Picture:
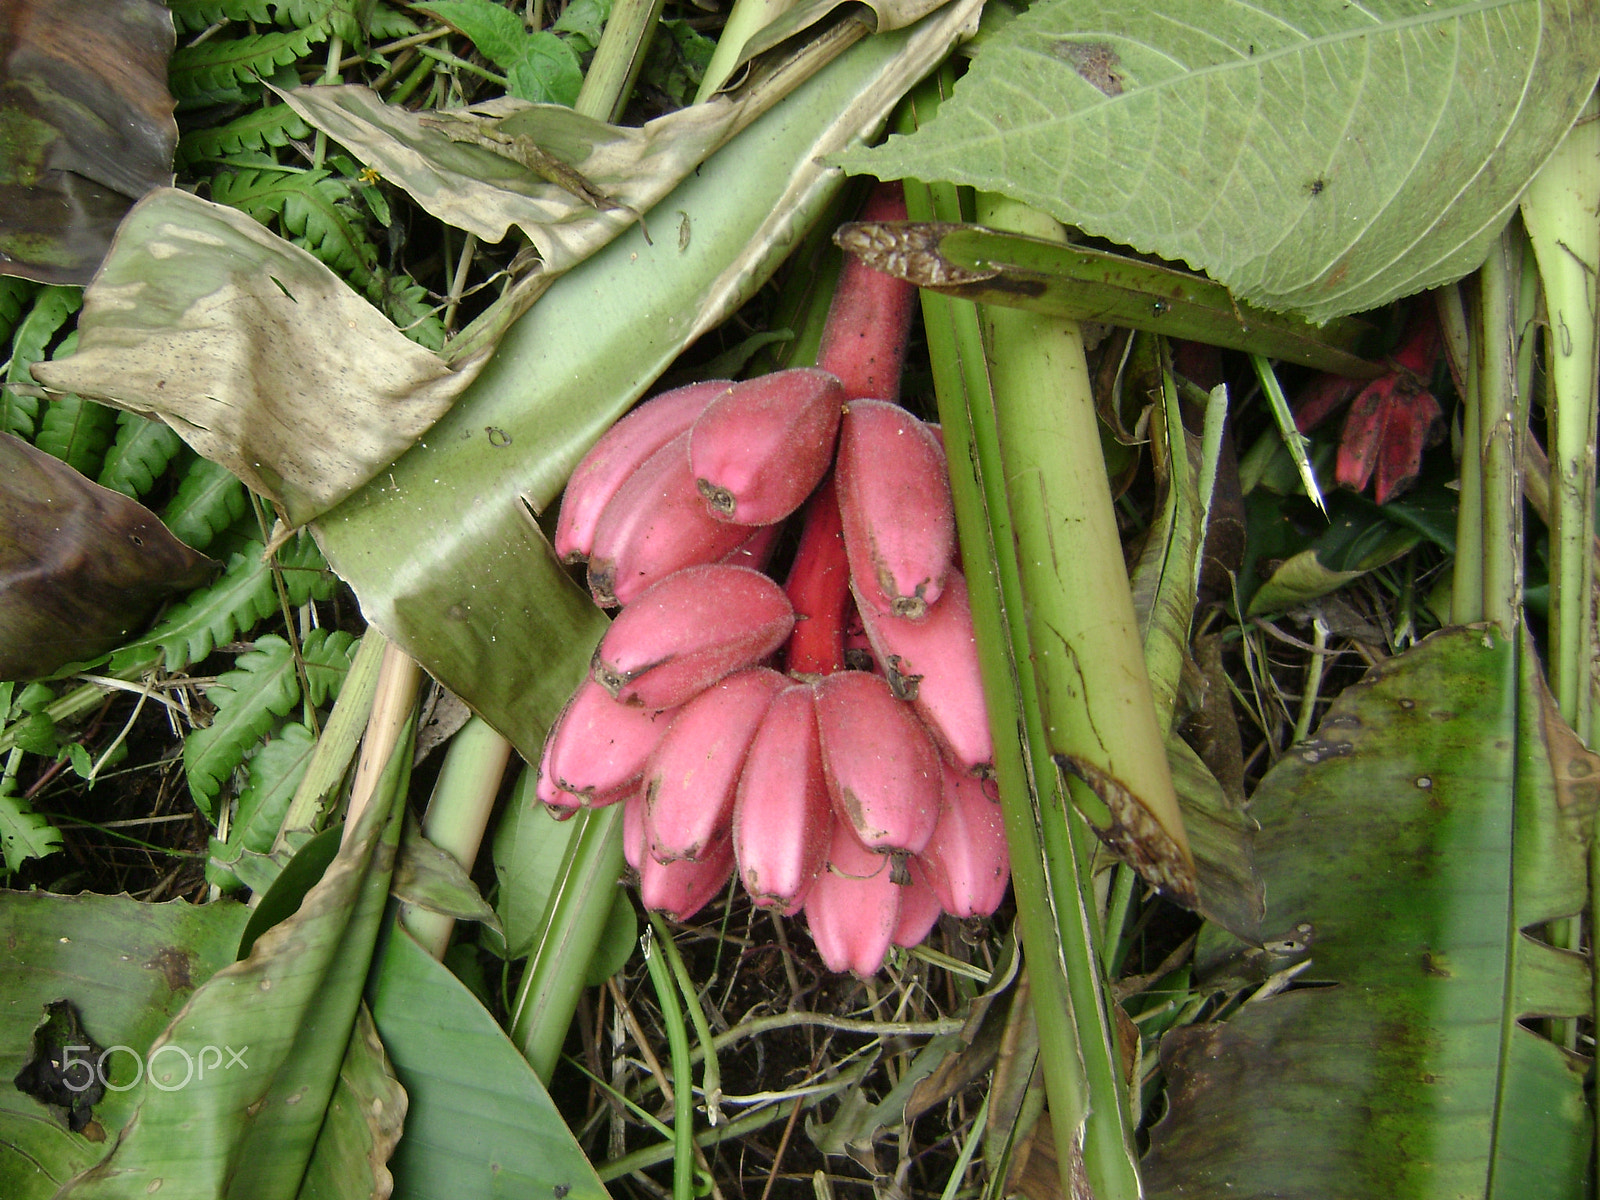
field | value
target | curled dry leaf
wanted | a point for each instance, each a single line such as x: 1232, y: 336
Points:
x: 259, y: 356
x: 86, y: 128
x: 81, y: 566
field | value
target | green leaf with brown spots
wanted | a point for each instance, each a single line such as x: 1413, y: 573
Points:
x: 1412, y: 852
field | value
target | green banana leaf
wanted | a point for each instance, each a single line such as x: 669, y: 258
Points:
x: 1447, y: 810
x: 127, y: 968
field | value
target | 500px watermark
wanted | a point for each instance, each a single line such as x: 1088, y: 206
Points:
x: 81, y: 1069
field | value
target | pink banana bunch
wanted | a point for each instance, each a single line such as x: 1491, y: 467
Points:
x: 825, y: 741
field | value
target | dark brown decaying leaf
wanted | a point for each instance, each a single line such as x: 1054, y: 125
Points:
x: 86, y: 128
x: 81, y: 566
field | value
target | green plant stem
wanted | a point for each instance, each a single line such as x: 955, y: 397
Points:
x: 746, y: 18
x: 1293, y: 440
x: 1500, y: 432
x: 678, y: 1044
x: 579, y: 904
x: 1074, y: 1036
x: 712, y: 1071
x: 458, y: 813
x: 618, y: 58
x: 1466, y: 591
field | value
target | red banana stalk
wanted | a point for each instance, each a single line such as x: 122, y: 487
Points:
x: 781, y: 814
x: 620, y: 450
x: 934, y: 664
x: 965, y: 861
x: 819, y: 588
x: 693, y: 773
x: 760, y: 448
x: 868, y: 324
x: 894, y: 502
x: 597, y: 749
x: 680, y: 889
x: 883, y: 771
x: 853, y: 908
x: 655, y: 524
x: 688, y: 631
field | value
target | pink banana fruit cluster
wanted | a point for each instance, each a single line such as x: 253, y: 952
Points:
x: 825, y: 740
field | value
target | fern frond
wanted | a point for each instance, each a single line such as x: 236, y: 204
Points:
x: 250, y: 699
x: 306, y: 574
x: 312, y: 218
x: 386, y: 24
x: 78, y: 432
x: 19, y: 410
x: 407, y: 303
x: 273, y: 774
x: 16, y: 297
x: 327, y: 657
x: 142, y: 451
x: 194, y: 15
x: 271, y: 125
x: 222, y: 66
x: 24, y: 834
x: 210, y: 499
x: 194, y: 627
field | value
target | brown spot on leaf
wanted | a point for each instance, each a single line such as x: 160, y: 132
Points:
x: 1135, y: 835
x: 1096, y: 62
x: 173, y: 963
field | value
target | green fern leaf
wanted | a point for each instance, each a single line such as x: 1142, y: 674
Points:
x: 16, y: 297
x: 222, y: 66
x: 19, y: 409
x: 78, y: 432
x: 142, y: 451
x: 272, y: 125
x: 312, y: 218
x: 75, y: 430
x: 24, y: 834
x: 273, y: 774
x: 250, y: 699
x: 407, y: 303
x: 327, y: 657
x: 387, y: 24
x: 210, y: 499
x: 306, y: 575
x: 194, y: 15
x: 210, y: 616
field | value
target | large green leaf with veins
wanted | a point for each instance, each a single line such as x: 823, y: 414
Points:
x: 1412, y: 852
x: 1312, y: 156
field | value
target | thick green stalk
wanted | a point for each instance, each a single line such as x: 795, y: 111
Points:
x: 1075, y: 1035
x: 458, y: 813
x: 1499, y: 432
x: 1466, y: 590
x: 746, y: 18
x: 548, y: 994
x: 1559, y: 210
x: 617, y: 58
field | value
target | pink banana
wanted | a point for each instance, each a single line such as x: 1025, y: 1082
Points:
x: 633, y: 836
x: 883, y: 771
x: 688, y: 631
x: 756, y: 550
x: 597, y: 748
x: 680, y: 889
x: 894, y: 502
x: 934, y: 664
x: 965, y: 861
x: 781, y: 815
x: 819, y: 588
x: 655, y: 524
x: 919, y: 908
x: 761, y: 447
x: 614, y: 457
x: 854, y: 906
x: 693, y: 773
